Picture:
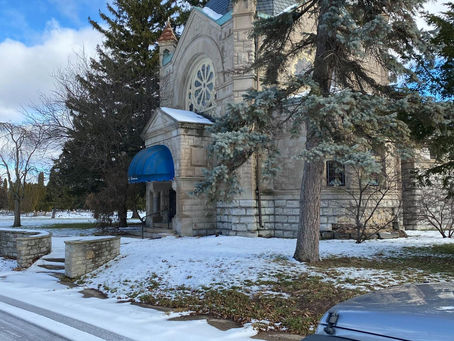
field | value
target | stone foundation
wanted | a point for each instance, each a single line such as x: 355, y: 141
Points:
x: 24, y: 245
x: 83, y: 256
x: 280, y: 215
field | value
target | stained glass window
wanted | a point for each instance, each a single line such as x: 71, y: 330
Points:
x: 201, y: 93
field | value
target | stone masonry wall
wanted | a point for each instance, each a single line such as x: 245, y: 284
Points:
x: 83, y: 256
x: 25, y: 246
x: 280, y: 214
x: 30, y: 248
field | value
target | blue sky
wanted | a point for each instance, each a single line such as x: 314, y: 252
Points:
x: 26, y: 20
x: 37, y: 39
x: 40, y: 37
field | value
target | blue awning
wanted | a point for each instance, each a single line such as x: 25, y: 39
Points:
x: 151, y: 164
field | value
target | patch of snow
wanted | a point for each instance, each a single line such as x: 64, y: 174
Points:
x: 7, y: 264
x: 288, y: 9
x: 30, y: 222
x: 44, y: 291
x: 222, y: 262
x: 371, y: 248
x: 186, y: 116
x: 48, y: 324
x: 35, y: 232
x: 212, y: 14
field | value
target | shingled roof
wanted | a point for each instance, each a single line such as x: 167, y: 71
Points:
x: 167, y: 34
x: 269, y: 7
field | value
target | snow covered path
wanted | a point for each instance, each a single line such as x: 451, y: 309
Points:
x: 42, y: 291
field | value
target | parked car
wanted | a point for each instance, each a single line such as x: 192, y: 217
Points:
x: 416, y: 312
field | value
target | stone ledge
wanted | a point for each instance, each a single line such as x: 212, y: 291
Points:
x: 92, y: 240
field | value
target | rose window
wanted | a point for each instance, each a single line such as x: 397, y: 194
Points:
x: 201, y: 92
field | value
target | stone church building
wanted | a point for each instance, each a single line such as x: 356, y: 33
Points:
x: 198, y: 74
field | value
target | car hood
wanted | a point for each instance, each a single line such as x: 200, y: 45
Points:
x: 411, y: 312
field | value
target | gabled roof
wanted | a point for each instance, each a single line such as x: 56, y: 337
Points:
x: 268, y: 7
x: 186, y: 116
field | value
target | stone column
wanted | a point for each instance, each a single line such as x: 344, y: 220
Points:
x: 245, y: 206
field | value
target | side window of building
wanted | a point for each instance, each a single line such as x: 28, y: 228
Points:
x: 335, y: 174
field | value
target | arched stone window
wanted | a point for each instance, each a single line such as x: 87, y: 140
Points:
x: 200, y: 91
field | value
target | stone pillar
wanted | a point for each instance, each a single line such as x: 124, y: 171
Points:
x: 243, y: 47
x: 246, y: 222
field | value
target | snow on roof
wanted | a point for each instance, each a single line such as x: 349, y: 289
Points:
x: 186, y: 116
x: 212, y: 14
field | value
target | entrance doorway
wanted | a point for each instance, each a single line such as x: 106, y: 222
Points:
x: 162, y: 201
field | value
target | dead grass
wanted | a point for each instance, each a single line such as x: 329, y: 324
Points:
x: 292, y: 302
x: 304, y: 300
x: 438, y: 259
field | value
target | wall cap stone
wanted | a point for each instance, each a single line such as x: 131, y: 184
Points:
x: 91, y: 240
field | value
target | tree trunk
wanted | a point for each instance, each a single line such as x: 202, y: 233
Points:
x: 135, y: 214
x: 307, y: 244
x: 122, y: 217
x: 17, y: 222
x: 54, y: 211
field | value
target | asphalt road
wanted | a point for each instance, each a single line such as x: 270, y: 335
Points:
x: 13, y: 328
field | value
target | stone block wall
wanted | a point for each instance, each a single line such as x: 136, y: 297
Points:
x: 30, y: 248
x: 83, y: 256
x: 24, y: 245
x: 238, y: 218
x: 280, y: 214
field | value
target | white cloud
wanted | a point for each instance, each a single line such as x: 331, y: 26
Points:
x: 26, y: 71
x: 433, y: 7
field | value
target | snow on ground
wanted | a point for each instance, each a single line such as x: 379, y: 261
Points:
x: 7, y: 264
x: 44, y: 291
x: 371, y: 248
x: 191, y: 262
x: 43, y: 221
x: 217, y: 262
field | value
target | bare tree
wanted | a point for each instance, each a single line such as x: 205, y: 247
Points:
x: 51, y: 110
x: 437, y: 207
x: 21, y: 147
x: 374, y: 202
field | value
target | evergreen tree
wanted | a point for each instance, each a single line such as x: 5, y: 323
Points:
x: 441, y: 75
x: 432, y: 126
x: 3, y: 194
x: 346, y: 111
x: 121, y: 89
x: 59, y: 196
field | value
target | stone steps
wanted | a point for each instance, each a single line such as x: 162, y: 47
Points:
x: 156, y: 233
x: 54, y: 260
x: 52, y: 266
x: 55, y: 265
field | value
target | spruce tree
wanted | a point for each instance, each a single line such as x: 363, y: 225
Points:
x: 121, y: 89
x: 432, y: 126
x: 346, y: 111
x: 3, y: 194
